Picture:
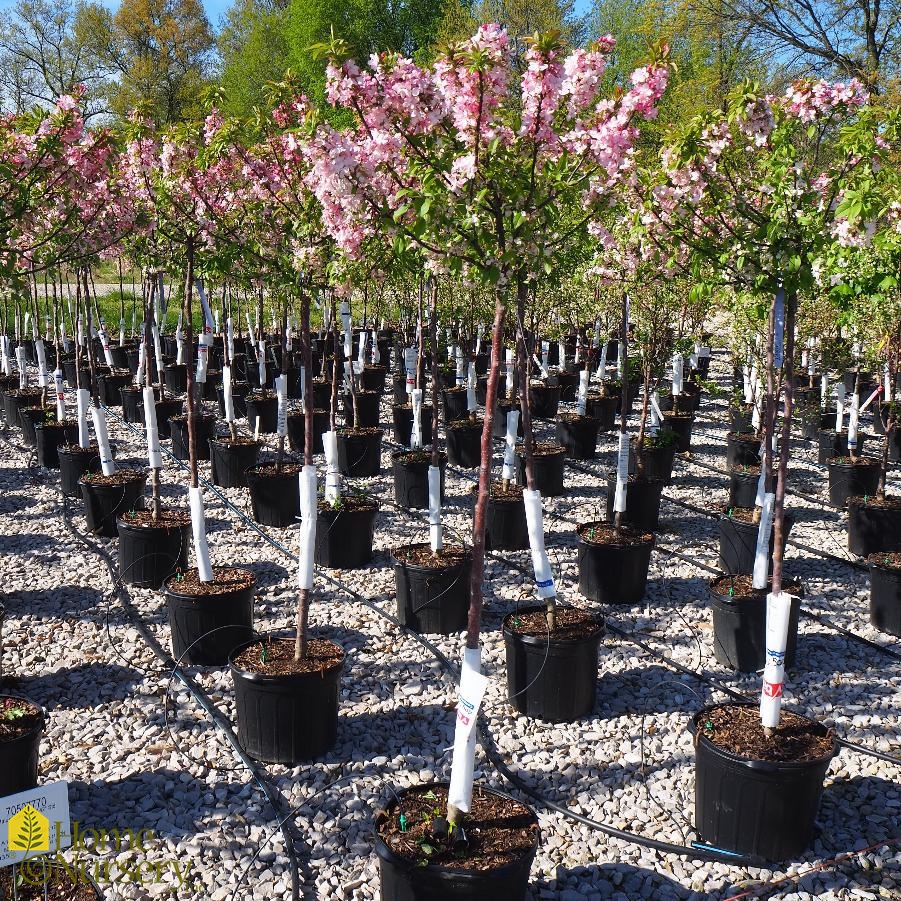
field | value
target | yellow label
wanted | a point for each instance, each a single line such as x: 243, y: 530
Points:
x: 28, y: 831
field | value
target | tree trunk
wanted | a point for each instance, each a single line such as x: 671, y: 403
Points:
x: 189, y: 343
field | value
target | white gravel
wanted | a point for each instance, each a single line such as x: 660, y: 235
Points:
x: 139, y: 752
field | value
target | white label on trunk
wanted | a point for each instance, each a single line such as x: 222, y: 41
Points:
x: 544, y: 577
x: 655, y: 406
x: 761, y: 555
x: 43, y: 379
x: 778, y: 613
x: 746, y: 377
x: 824, y: 388
x: 622, y: 473
x: 839, y: 406
x: 620, y: 358
x: 203, y: 351
x: 198, y: 526
x: 4, y: 354
x: 870, y: 399
x: 887, y: 380
x: 261, y: 363
x: 23, y: 370
x: 761, y: 484
x: 227, y: 397
x: 479, y: 334
x: 584, y: 375
x: 469, y: 698
x: 509, y: 366
x: 139, y: 374
x: 471, y: 388
x: 348, y: 329
x: 308, y: 513
x: 545, y: 351
x: 461, y: 368
x: 180, y: 345
x: 509, y: 470
x: 83, y: 399
x: 416, y: 432
x: 853, y: 421
x: 106, y: 456
x: 410, y: 368
x: 230, y: 337
x: 153, y: 436
x: 281, y: 390
x: 60, y: 396
x: 121, y: 331
x: 332, y: 472
x: 811, y: 358
x: 435, y: 536
x: 771, y: 695
x: 157, y: 350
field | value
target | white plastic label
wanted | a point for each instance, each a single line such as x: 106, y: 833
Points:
x: 509, y: 366
x: 410, y: 368
x: 544, y: 577
x: 471, y: 388
x: 584, y: 375
x: 23, y: 369
x: 622, y: 473
x: 509, y: 470
x: 839, y: 406
x: 261, y: 363
x: 620, y: 358
x: 83, y: 399
x: 480, y: 333
x: 4, y: 354
x: 227, y: 397
x: 469, y: 698
x: 308, y: 514
x: 853, y: 420
x: 762, y: 553
x: 43, y: 379
x: 435, y: 536
x: 677, y: 374
x: 281, y: 390
x: 198, y: 527
x: 416, y: 432
x: 121, y: 331
x: 870, y: 399
x: 106, y: 456
x: 778, y: 613
x: 157, y: 350
x: 60, y: 396
x: 51, y: 802
x: 154, y: 456
x: 332, y: 472
x: 203, y: 351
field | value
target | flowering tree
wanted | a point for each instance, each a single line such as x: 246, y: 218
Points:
x: 484, y: 174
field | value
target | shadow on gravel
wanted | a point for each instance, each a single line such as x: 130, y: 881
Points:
x: 63, y: 600
x: 81, y: 687
x: 616, y: 881
x: 644, y: 689
x: 854, y: 813
x: 24, y: 544
x: 392, y: 733
x: 13, y: 503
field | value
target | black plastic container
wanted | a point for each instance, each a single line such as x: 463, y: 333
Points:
x: 74, y: 462
x: 29, y: 418
x: 344, y: 537
x: 739, y: 630
x: 873, y: 528
x: 286, y: 718
x: 464, y: 443
x: 405, y: 880
x: 579, y: 435
x: 544, y: 400
x: 133, y: 403
x: 550, y: 678
x: 296, y: 430
x: 411, y: 478
x: 742, y: 449
x: 374, y: 377
x: 680, y: 425
x: 653, y: 461
x: 165, y: 410
x: 455, y: 403
x: 402, y: 418
x: 274, y: 495
x: 206, y: 628
x: 176, y: 378
x: 848, y: 479
x: 433, y: 599
x: 506, y: 528
x: 753, y: 806
x: 743, y: 487
x: 360, y: 453
x: 499, y: 421
x: 230, y: 462
x: 738, y: 544
x: 613, y: 573
x: 50, y: 436
x: 110, y: 385
x: 239, y: 399
x: 19, y: 758
x: 569, y: 383
x: 549, y: 471
x: 885, y: 596
x: 835, y: 444
x: 367, y: 408
x: 148, y: 555
x: 204, y: 430
x: 104, y: 504
x: 603, y: 409
x: 262, y: 408
x: 642, y: 501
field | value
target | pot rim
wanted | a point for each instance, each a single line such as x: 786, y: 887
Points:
x: 278, y: 678
x: 549, y: 640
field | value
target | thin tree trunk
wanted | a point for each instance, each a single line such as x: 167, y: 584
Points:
x: 434, y: 341
x: 189, y: 343
x: 523, y: 372
x: 624, y: 389
x: 303, y: 598
x: 769, y: 405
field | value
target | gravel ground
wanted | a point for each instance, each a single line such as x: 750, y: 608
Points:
x: 139, y: 751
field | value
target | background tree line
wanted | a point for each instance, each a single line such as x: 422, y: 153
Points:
x: 162, y: 56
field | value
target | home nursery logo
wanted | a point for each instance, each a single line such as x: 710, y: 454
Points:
x: 28, y: 830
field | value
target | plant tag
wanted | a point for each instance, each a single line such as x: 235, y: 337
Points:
x: 853, y: 421
x: 106, y: 456
x: 779, y: 326
x: 761, y: 554
x: 154, y: 456
x: 23, y: 367
x: 839, y: 406
x: 871, y: 398
x: 545, y: 353
x: 622, y: 473
x: 261, y: 363
x: 228, y: 399
x: 308, y: 514
x: 435, y: 509
x: 471, y: 388
x: 332, y: 472
x: 83, y: 399
x: 469, y: 698
x: 509, y: 366
x: 509, y: 471
x: 416, y: 432
x: 584, y: 375
x: 544, y: 577
x: 479, y: 334
x: 157, y: 350
x: 281, y: 390
x: 198, y: 527
x: 60, y: 396
x: 410, y: 368
x: 34, y: 822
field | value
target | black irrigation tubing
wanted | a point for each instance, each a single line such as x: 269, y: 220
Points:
x: 695, y: 853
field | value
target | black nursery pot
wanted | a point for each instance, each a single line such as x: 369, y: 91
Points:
x: 30, y: 418
x: 742, y: 449
x: 847, y: 479
x: 374, y: 377
x: 642, y: 501
x: 230, y: 462
x: 297, y: 430
x: 19, y: 759
x: 455, y: 403
x: 344, y: 536
x: 104, y: 504
x: 149, y: 554
x: 176, y: 376
x: 835, y: 444
x: 204, y: 430
x: 206, y: 628
x: 286, y: 718
x: 506, y: 528
x: 743, y: 487
x: 548, y: 468
x: 405, y: 880
x: 544, y: 400
x: 133, y: 403
x: 402, y: 419
x: 411, y: 478
x: 360, y: 453
x: 569, y: 383
x: 579, y: 435
x: 262, y: 408
x: 367, y: 408
x: 613, y: 573
x: 239, y: 399
x: 653, y: 462
x: 755, y: 807
x: 739, y: 630
x: 74, y: 462
x: 874, y: 528
x: 110, y: 385
x: 885, y: 596
x: 274, y: 494
x: 464, y: 443
x: 603, y: 408
x: 50, y: 436
x: 165, y: 410
x: 680, y: 425
x: 499, y: 421
x: 553, y: 679
x: 433, y: 599
x: 738, y: 544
